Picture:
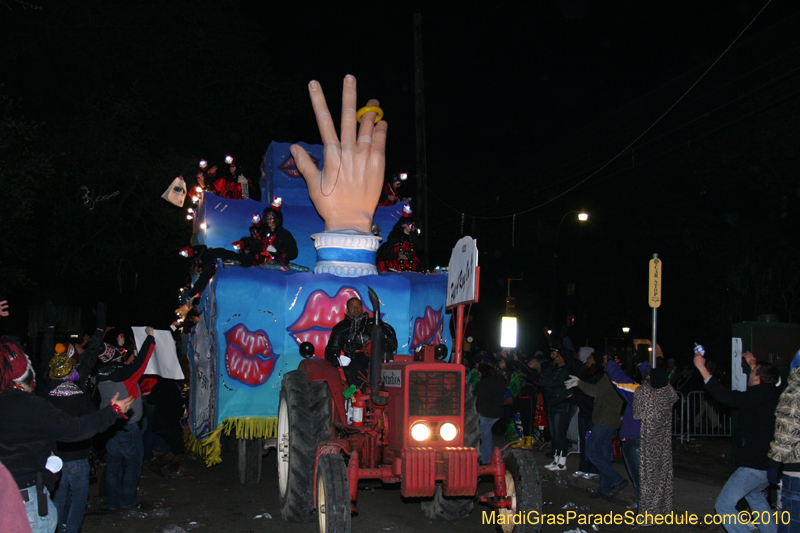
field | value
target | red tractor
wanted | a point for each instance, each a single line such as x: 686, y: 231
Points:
x: 419, y: 429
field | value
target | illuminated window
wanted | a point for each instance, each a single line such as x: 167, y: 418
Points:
x: 570, y: 289
x: 570, y: 318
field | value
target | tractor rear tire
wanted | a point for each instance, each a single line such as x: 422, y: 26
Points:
x: 304, y: 420
x: 457, y: 508
x: 250, y: 453
x: 333, y: 495
x: 524, y: 486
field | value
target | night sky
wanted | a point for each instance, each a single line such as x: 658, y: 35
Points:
x: 533, y: 110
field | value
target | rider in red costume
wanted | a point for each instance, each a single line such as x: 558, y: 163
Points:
x: 403, y: 248
x: 390, y: 194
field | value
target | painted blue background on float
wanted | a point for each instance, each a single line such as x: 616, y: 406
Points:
x: 274, y: 301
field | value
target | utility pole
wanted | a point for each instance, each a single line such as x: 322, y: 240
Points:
x: 422, y: 163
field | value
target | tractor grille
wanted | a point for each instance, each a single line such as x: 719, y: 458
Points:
x: 434, y: 394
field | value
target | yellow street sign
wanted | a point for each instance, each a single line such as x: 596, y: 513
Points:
x: 654, y: 290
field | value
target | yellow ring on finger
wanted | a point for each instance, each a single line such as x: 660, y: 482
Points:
x: 370, y: 109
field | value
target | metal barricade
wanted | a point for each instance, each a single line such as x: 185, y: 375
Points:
x: 677, y: 417
x: 696, y: 414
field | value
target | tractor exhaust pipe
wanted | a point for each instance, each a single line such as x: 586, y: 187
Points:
x: 376, y: 353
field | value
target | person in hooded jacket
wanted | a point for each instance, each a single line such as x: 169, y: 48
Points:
x: 278, y: 243
x: 402, y: 251
x: 559, y: 407
x: 118, y: 374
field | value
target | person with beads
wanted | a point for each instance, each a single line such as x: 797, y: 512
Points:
x: 64, y: 380
x: 30, y: 426
x: 403, y: 248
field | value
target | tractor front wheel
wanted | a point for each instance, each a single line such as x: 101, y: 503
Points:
x: 457, y: 508
x: 304, y: 420
x: 333, y: 495
x: 524, y: 488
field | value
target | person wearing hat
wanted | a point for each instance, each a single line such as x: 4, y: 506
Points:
x: 756, y: 407
x: 559, y: 406
x: 278, y: 243
x: 30, y: 426
x: 65, y: 380
x: 118, y: 375
x: 652, y: 404
x: 230, y: 185
x: 402, y: 250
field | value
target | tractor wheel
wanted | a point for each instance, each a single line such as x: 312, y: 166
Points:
x: 304, y: 420
x: 333, y: 495
x: 456, y: 508
x: 525, y: 489
x: 250, y: 453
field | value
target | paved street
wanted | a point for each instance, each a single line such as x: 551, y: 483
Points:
x: 211, y: 500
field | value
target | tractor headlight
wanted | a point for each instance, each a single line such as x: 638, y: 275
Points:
x: 420, y: 431
x: 448, y: 431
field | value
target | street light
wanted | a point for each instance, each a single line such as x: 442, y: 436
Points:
x: 508, y: 332
x: 626, y: 330
x: 583, y: 216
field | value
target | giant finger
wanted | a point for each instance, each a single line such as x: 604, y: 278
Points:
x: 379, y: 140
x: 327, y: 129
x: 349, y: 120
x: 367, y: 124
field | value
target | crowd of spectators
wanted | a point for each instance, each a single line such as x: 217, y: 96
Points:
x: 619, y: 398
x: 79, y: 409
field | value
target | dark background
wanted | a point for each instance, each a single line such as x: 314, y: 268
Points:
x: 533, y: 110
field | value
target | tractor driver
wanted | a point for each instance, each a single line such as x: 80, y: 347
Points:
x: 346, y: 346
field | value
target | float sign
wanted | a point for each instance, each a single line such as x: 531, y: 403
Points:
x: 654, y: 293
x: 462, y: 280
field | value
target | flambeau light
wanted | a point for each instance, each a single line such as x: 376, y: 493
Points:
x: 189, y: 216
x: 203, y: 164
x: 228, y: 160
x: 203, y: 225
x: 403, y: 176
x: 448, y: 431
x: 420, y: 431
x: 583, y: 216
x: 549, y: 331
x: 508, y: 332
x: 198, y: 189
x: 195, y: 199
x: 190, y: 210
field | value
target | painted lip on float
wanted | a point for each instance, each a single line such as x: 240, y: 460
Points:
x: 320, y: 314
x: 427, y: 329
x: 290, y: 167
x: 248, y: 355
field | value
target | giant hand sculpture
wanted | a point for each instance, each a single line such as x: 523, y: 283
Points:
x: 346, y: 191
